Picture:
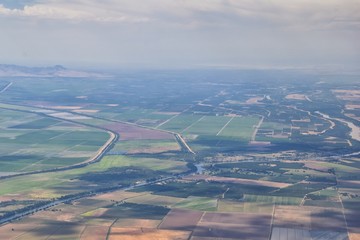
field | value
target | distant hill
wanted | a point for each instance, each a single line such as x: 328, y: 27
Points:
x: 7, y: 70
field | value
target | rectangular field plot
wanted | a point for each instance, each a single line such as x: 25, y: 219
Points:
x: 136, y: 222
x: 41, y: 230
x: 240, y: 128
x: 145, y: 146
x: 92, y: 232
x: 155, y: 200
x: 313, y: 218
x: 180, y: 122
x: 244, y: 207
x: 208, y: 125
x: 37, y: 124
x: 290, y: 234
x: 234, y: 226
x: 237, y: 218
x: 303, y: 234
x: 181, y: 219
x: 198, y: 203
x: 136, y: 211
x: 132, y: 132
x: 145, y: 234
x: 278, y: 200
x: 230, y: 231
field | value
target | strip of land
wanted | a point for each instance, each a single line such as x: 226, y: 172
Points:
x: 238, y: 181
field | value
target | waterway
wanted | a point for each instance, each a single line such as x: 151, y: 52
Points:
x: 355, y: 130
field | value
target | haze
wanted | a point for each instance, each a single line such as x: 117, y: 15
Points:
x: 181, y: 34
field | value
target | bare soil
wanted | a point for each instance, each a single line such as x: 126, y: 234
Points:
x: 181, y: 219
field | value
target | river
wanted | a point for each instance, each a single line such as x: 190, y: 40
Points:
x: 355, y: 130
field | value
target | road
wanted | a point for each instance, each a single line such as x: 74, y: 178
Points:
x: 6, y: 87
x: 253, y: 137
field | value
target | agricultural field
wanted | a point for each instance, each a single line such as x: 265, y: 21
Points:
x: 176, y: 155
x: 32, y: 142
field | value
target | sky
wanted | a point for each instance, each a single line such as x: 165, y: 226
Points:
x: 181, y: 33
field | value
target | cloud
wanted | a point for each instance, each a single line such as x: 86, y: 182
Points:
x: 188, y: 32
x: 71, y: 12
x: 294, y: 13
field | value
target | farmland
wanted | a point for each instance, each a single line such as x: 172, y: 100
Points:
x: 177, y: 155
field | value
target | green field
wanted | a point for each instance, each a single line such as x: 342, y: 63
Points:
x: 74, y: 180
x: 209, y: 125
x: 278, y: 200
x: 198, y: 203
x: 180, y: 122
x: 32, y: 142
x: 240, y: 128
x: 299, y: 159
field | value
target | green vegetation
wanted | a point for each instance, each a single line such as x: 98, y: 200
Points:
x: 198, y: 203
x: 52, y: 123
x: 32, y: 144
x: 133, y: 210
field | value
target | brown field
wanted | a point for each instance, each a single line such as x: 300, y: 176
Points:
x: 153, y: 199
x: 328, y: 219
x: 352, y: 106
x: 292, y: 217
x: 237, y: 218
x: 118, y: 195
x: 94, y: 232
x: 311, y: 218
x: 155, y: 149
x: 238, y: 181
x: 106, y: 222
x: 146, y: 234
x: 349, y: 95
x: 132, y: 132
x: 211, y: 238
x: 296, y: 97
x: 316, y: 165
x: 29, y: 230
x: 302, y: 234
x: 224, y: 231
x: 234, y: 225
x: 134, y: 222
x: 245, y: 207
x: 181, y: 219
x: 62, y: 212
x: 254, y: 100
x: 19, y: 230
x: 290, y: 234
x: 354, y: 236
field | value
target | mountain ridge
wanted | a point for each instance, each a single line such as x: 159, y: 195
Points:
x: 12, y: 70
